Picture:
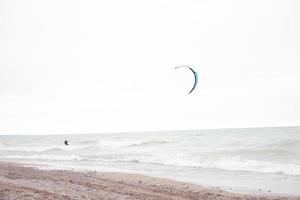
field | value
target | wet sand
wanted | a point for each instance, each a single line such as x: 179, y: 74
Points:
x: 23, y: 182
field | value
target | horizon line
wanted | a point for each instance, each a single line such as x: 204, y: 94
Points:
x: 167, y: 130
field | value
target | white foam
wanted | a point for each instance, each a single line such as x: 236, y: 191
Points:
x: 229, y: 163
x: 43, y: 157
x: 41, y: 148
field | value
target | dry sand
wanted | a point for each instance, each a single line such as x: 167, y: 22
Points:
x: 21, y: 182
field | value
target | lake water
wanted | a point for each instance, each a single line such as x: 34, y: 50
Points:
x: 244, y: 160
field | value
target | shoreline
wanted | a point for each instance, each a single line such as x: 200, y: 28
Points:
x: 24, y: 182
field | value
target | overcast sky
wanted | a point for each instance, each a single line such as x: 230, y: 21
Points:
x: 77, y: 66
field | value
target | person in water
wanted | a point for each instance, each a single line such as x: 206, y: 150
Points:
x: 66, y: 142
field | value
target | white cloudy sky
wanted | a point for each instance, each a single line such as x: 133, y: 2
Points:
x: 73, y: 66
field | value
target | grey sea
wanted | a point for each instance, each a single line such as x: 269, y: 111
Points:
x: 256, y: 160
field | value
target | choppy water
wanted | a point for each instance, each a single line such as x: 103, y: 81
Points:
x: 241, y: 159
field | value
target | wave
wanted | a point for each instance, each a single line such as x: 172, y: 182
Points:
x: 232, y: 164
x: 43, y: 157
x: 286, y: 143
x: 270, y: 153
x: 150, y: 142
x: 237, y: 164
x: 131, y: 143
x: 41, y: 148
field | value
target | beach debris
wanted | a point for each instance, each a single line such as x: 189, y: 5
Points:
x: 195, y: 75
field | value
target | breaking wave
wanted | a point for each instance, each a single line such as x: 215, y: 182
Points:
x: 132, y: 143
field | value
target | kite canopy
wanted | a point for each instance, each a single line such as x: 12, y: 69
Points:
x: 195, y: 75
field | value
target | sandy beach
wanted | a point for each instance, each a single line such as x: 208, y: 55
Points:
x: 23, y: 182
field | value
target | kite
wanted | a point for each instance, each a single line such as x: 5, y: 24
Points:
x: 195, y: 75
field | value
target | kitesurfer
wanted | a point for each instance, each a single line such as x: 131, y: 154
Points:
x: 67, y: 142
